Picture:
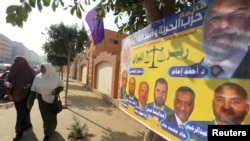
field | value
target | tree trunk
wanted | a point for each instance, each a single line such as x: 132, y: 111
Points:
x: 154, y: 12
x: 67, y: 79
x: 61, y: 72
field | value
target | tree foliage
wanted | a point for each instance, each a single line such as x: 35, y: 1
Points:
x: 64, y: 43
x: 60, y: 39
x: 140, y: 12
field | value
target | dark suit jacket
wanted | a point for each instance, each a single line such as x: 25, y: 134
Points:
x: 202, y: 124
x: 171, y: 118
x: 135, y: 100
x: 243, y: 71
x: 168, y: 110
x: 123, y: 94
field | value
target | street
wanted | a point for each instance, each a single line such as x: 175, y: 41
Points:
x: 105, y: 121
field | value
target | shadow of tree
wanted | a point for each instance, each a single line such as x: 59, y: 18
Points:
x: 82, y: 98
x: 85, y: 100
x: 77, y: 87
x: 122, y: 136
x: 89, y: 103
x: 57, y: 137
x: 29, y: 135
x: 111, y: 135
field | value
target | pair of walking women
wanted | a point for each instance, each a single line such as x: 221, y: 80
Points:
x: 24, y: 86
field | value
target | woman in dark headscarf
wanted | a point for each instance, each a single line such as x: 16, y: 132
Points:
x: 18, y: 84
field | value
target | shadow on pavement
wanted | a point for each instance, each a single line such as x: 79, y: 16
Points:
x: 77, y: 87
x: 84, y: 99
x: 107, y: 122
x: 89, y: 103
x: 29, y: 135
x: 122, y: 136
x: 57, y: 137
x: 112, y: 135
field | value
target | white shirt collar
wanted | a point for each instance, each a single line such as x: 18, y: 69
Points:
x: 179, y: 122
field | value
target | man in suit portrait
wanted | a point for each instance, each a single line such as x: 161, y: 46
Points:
x: 226, y: 38
x: 131, y: 92
x: 124, y: 79
x: 230, y: 107
x: 230, y: 104
x: 160, y: 96
x: 184, y: 101
x: 143, y: 91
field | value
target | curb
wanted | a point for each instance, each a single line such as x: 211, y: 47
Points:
x: 7, y: 105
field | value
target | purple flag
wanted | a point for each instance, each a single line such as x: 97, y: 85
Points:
x: 96, y: 25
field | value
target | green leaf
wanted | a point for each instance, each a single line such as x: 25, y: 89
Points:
x: 24, y: 14
x: 19, y: 22
x: 65, y: 8
x: 62, y: 3
x: 78, y: 13
x: 13, y: 23
x: 32, y: 3
x: 39, y: 5
x: 27, y: 6
x: 21, y: 15
x: 54, y: 5
x: 81, y: 7
x: 46, y: 3
x: 72, y: 11
x: 101, y: 13
x: 87, y: 2
x: 11, y: 18
x: 19, y: 11
x: 70, y: 6
x: 11, y: 9
x: 116, y: 20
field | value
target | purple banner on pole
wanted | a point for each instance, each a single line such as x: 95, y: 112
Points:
x: 96, y: 25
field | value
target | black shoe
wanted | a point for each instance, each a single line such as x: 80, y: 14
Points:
x: 18, y: 136
x: 46, y: 138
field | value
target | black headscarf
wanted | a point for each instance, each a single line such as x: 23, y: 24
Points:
x: 21, y: 73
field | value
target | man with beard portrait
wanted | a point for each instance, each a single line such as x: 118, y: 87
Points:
x: 160, y: 97
x: 131, y: 92
x: 124, y: 79
x: 226, y: 38
x: 230, y: 105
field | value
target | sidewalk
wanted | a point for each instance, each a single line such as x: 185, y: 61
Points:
x: 105, y: 121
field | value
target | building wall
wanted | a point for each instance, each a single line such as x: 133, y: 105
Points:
x: 5, y: 49
x: 114, y: 61
x: 9, y: 49
x: 108, y: 50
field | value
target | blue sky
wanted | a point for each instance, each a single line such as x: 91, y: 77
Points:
x: 31, y: 33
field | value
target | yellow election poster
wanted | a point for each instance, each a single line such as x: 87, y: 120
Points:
x: 184, y: 72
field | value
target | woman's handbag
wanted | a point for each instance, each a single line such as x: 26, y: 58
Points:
x: 57, y: 105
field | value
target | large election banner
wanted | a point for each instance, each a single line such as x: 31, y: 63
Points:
x: 185, y: 72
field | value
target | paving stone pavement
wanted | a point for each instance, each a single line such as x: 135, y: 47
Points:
x: 105, y: 121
